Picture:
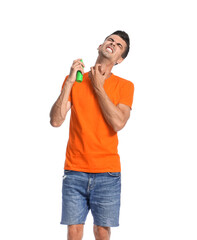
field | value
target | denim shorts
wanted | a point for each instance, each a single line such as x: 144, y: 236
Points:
x: 98, y: 192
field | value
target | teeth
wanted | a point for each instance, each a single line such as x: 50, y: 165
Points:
x: 109, y: 49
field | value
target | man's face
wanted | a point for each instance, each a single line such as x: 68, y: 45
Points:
x: 113, y: 48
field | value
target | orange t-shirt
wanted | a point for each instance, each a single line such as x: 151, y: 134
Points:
x: 92, y: 144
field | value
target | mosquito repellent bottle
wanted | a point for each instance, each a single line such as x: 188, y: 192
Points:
x: 79, y: 77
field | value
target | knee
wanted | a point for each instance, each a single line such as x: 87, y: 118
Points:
x: 102, y: 233
x: 75, y: 232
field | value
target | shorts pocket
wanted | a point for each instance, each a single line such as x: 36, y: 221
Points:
x: 114, y: 174
x: 65, y: 173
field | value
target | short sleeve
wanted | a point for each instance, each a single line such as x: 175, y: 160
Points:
x: 69, y: 97
x: 126, y: 93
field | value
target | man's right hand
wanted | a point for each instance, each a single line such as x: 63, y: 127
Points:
x: 76, y: 66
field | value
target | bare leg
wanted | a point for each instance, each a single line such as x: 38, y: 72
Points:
x: 75, y: 232
x: 102, y: 233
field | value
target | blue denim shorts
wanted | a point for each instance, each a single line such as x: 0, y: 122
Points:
x: 98, y: 192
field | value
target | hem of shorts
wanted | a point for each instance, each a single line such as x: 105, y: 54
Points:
x: 64, y: 223
x: 105, y: 225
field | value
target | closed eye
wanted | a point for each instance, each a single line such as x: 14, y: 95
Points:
x: 111, y: 39
x: 120, y: 45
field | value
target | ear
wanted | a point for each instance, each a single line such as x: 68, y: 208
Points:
x: 98, y: 47
x: 119, y: 60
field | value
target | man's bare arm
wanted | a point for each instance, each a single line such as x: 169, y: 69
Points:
x: 115, y: 116
x: 59, y: 109
x: 112, y: 114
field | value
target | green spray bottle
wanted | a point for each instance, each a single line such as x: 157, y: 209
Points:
x: 79, y: 77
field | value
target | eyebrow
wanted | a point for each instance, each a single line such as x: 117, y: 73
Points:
x: 113, y: 41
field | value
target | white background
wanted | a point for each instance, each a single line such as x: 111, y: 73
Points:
x: 39, y: 40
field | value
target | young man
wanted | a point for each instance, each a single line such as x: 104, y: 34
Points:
x: 100, y: 107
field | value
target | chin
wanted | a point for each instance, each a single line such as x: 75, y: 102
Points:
x: 106, y: 54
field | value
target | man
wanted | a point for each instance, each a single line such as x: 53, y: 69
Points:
x: 100, y: 107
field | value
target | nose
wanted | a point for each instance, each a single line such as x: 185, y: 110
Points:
x: 113, y: 43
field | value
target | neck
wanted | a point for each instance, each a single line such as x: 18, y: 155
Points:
x: 106, y: 66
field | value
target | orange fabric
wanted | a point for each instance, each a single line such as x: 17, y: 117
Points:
x: 92, y: 144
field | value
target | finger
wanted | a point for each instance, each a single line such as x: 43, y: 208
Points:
x: 97, y: 66
x: 79, y: 60
x: 82, y: 64
x: 75, y: 67
x: 76, y: 60
x: 100, y: 70
x: 76, y: 64
x: 81, y: 69
x: 92, y: 71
